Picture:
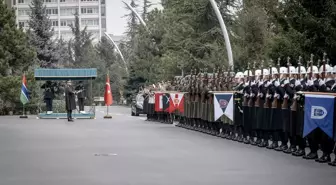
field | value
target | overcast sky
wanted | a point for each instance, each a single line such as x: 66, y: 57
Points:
x: 115, y: 11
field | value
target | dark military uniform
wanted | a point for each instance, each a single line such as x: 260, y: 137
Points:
x: 70, y: 101
x: 49, y: 94
x: 80, y: 96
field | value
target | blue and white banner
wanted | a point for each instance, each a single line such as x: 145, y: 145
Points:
x: 223, y: 104
x: 319, y: 113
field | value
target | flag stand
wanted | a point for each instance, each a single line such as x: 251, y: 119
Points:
x: 23, y: 112
x: 107, y: 116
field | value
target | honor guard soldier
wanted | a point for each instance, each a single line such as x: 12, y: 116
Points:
x: 275, y: 105
x: 297, y: 116
x: 238, y: 97
x: 313, y: 86
x: 49, y: 95
x: 80, y: 96
x: 246, y: 111
x: 70, y: 100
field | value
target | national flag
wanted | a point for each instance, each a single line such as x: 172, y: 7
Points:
x: 108, y: 94
x: 177, y: 102
x: 166, y: 102
x: 223, y: 104
x: 24, y: 97
x: 319, y: 113
x: 158, y: 102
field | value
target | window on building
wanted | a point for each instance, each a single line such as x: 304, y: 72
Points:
x: 21, y: 1
x: 52, y: 11
x: 68, y: 11
x: 88, y: 0
x: 103, y: 23
x: 62, y: 1
x: 103, y: 11
x: 21, y: 24
x: 63, y: 23
x: 54, y: 23
x: 89, y: 10
x: 24, y: 12
x: 50, y: 1
x: 90, y: 22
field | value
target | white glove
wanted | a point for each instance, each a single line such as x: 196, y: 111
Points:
x: 260, y: 95
x: 310, y: 82
x: 296, y: 97
x: 276, y: 95
x: 252, y: 95
x: 286, y: 81
x: 246, y: 95
x: 321, y: 82
x: 297, y: 83
x: 286, y: 96
x: 268, y: 96
x: 276, y: 83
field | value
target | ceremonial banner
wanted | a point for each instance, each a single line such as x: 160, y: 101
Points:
x: 319, y: 113
x: 223, y: 104
x: 166, y: 102
x: 158, y: 102
x: 177, y: 102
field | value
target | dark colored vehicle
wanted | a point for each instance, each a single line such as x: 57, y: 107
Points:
x: 137, y: 105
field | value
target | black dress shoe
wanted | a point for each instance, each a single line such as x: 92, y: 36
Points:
x: 288, y: 151
x: 263, y: 144
x: 298, y: 153
x: 240, y: 139
x: 325, y: 158
x: 281, y: 148
x: 332, y: 163
x: 272, y: 146
x: 246, y: 141
x: 311, y: 156
x: 70, y: 120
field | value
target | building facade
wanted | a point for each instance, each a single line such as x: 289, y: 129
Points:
x: 92, y: 14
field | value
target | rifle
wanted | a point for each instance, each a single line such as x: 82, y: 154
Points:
x: 245, y: 100
x: 250, y: 102
x: 268, y: 100
x: 257, y: 102
x: 285, y: 102
x: 311, y: 66
x: 295, y: 103
x: 275, y: 102
x: 324, y: 65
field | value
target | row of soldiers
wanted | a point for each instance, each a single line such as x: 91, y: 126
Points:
x: 269, y: 109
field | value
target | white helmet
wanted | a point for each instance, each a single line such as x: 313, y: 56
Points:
x: 248, y: 73
x: 266, y: 72
x: 274, y: 71
x: 239, y: 75
x: 302, y: 70
x: 314, y: 71
x: 334, y: 69
x: 292, y: 70
x: 328, y: 69
x: 232, y: 73
x: 283, y: 70
x: 257, y: 72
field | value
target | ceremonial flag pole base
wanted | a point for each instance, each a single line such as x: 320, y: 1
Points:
x: 23, y: 116
x: 108, y: 117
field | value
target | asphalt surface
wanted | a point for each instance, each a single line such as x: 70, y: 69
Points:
x: 130, y: 151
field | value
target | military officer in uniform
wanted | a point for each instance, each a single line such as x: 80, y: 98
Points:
x: 238, y: 97
x: 49, y: 95
x: 70, y: 101
x: 80, y: 96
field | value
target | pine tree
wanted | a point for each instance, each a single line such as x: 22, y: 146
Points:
x: 81, y: 45
x: 41, y: 33
x: 16, y: 55
x: 146, y: 5
x: 132, y: 21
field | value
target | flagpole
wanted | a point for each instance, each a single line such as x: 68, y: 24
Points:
x: 23, y: 105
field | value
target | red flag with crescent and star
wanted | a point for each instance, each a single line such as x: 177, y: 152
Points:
x: 108, y: 94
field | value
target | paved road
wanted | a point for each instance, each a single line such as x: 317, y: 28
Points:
x: 55, y: 152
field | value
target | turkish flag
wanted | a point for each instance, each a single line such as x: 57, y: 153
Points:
x: 108, y: 93
x: 158, y: 102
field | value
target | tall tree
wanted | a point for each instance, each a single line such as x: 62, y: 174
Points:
x: 82, y: 51
x: 146, y: 5
x: 41, y: 33
x: 132, y: 21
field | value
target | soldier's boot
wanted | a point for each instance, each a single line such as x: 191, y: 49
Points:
x: 290, y: 149
x: 240, y: 138
x: 311, y: 156
x: 273, y: 145
x: 246, y: 140
x: 263, y: 144
x: 325, y: 158
x: 299, y: 152
x: 282, y: 147
x: 258, y: 142
x: 333, y: 163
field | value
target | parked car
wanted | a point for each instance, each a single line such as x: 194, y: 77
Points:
x: 137, y: 105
